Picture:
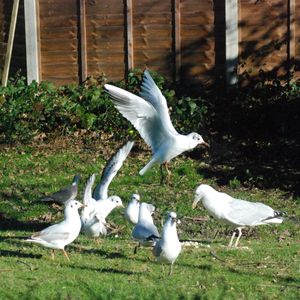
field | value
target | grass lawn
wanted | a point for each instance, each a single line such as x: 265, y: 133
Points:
x: 266, y: 266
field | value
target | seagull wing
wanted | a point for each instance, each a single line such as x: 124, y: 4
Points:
x: 110, y: 171
x: 143, y: 116
x: 87, y: 197
x: 151, y: 93
x: 52, y: 234
x: 242, y: 212
x: 145, y: 231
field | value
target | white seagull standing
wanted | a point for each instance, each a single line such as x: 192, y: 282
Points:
x: 59, y: 235
x: 145, y: 232
x: 167, y: 249
x: 235, y: 212
x: 94, y: 215
x: 149, y: 115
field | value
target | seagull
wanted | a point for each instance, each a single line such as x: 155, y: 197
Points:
x: 65, y: 194
x: 149, y: 114
x: 59, y: 235
x: 167, y: 249
x: 111, y: 169
x: 94, y: 214
x: 235, y: 212
x: 145, y: 232
x: 132, y: 210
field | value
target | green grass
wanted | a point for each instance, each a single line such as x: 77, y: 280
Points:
x: 268, y: 269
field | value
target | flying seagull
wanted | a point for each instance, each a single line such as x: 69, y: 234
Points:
x: 167, y: 249
x: 111, y: 169
x: 149, y: 115
x: 94, y: 214
x: 235, y: 212
x: 65, y: 194
x: 59, y: 235
x: 145, y: 232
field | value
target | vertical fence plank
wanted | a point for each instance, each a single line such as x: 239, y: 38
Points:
x: 177, y: 39
x: 32, y: 40
x: 291, y: 44
x: 10, y: 42
x: 83, y: 49
x: 129, y: 34
x: 232, y: 41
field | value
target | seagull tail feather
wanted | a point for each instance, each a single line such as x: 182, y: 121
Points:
x: 147, y: 167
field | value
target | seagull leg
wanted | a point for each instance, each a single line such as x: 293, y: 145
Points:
x: 52, y: 254
x: 135, y: 248
x: 171, y: 269
x: 161, y: 175
x: 66, y: 254
x: 163, y: 268
x: 239, y: 236
x: 168, y: 173
x: 231, y: 240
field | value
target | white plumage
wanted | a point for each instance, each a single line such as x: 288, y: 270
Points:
x: 145, y: 232
x: 235, y: 212
x: 149, y: 115
x: 167, y: 249
x: 59, y: 235
x: 94, y: 215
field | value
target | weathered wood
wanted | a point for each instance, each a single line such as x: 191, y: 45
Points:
x: 83, y: 42
x: 177, y: 39
x: 232, y: 41
x: 32, y: 41
x: 291, y: 45
x: 129, y: 35
x: 10, y: 42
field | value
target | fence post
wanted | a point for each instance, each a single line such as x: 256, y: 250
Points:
x: 32, y: 43
x: 231, y: 42
x: 177, y: 39
x: 129, y: 35
x: 291, y: 47
x: 10, y: 42
x: 83, y: 53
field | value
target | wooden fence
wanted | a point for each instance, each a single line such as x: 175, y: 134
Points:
x: 191, y: 41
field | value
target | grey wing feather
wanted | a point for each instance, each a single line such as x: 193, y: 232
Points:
x: 111, y: 169
x: 243, y: 212
x: 157, y: 250
x: 143, y: 232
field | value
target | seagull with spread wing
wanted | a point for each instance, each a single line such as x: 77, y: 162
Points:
x: 94, y: 214
x: 99, y: 205
x: 149, y: 115
x: 110, y: 171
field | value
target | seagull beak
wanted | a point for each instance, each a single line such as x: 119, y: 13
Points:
x: 83, y: 205
x: 196, y: 200
x: 205, y: 144
x: 121, y: 205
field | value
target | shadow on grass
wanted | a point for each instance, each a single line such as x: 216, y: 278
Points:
x: 16, y: 225
x: 106, y: 270
x: 100, y: 252
x: 10, y: 253
x: 288, y: 280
